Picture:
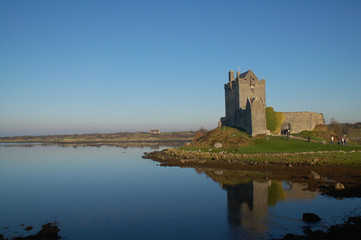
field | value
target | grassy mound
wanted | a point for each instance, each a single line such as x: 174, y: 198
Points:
x: 227, y: 136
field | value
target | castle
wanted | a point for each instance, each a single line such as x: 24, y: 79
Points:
x: 246, y: 107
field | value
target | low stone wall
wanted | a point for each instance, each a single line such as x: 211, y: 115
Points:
x: 301, y: 121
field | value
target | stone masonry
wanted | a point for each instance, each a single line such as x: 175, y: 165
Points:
x: 300, y: 121
x: 246, y: 107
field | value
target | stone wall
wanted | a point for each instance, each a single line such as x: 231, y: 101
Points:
x: 258, y: 117
x: 301, y: 121
x: 250, y: 89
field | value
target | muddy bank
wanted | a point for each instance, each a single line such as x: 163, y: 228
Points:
x: 279, y: 166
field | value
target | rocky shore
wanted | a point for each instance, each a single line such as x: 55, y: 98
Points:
x: 335, y: 179
x: 183, y: 156
x: 49, y: 231
x: 350, y: 229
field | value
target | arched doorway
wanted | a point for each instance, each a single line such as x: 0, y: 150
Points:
x: 285, y: 127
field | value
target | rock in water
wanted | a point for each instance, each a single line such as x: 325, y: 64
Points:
x: 339, y: 186
x: 313, y: 175
x: 218, y: 145
x: 310, y: 217
x: 28, y: 228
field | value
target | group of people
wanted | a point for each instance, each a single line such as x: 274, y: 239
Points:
x: 340, y: 140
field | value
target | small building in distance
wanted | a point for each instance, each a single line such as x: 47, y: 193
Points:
x: 245, y: 99
x: 154, y: 131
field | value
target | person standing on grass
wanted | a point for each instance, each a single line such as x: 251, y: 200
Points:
x: 332, y: 139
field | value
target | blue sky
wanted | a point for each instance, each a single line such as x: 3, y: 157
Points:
x: 107, y: 66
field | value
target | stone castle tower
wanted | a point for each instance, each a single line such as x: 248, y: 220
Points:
x: 246, y: 108
x: 245, y: 103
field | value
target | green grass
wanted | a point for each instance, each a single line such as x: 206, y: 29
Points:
x: 311, y: 134
x: 279, y: 144
x: 333, y: 154
x: 345, y: 159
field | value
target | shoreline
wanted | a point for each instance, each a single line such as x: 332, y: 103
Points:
x: 293, y: 167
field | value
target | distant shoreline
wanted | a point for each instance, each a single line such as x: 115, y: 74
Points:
x: 153, y: 144
x: 105, y: 139
x: 102, y: 142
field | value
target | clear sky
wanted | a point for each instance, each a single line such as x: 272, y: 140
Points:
x: 106, y: 66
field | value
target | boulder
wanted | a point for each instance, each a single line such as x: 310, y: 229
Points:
x: 218, y: 145
x: 28, y: 228
x: 310, y: 217
x: 313, y: 175
x: 289, y: 236
x: 218, y: 172
x: 339, y: 186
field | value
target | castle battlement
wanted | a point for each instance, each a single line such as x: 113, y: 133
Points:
x: 245, y: 78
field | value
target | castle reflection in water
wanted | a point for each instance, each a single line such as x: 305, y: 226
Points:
x: 249, y: 202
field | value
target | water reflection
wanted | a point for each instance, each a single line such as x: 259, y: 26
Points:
x: 249, y: 200
x: 248, y: 203
x: 113, y: 193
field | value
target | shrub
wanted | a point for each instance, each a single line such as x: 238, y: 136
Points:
x: 274, y: 120
x: 335, y: 128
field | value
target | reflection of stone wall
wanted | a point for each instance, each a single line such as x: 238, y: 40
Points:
x: 296, y: 191
x: 247, y: 204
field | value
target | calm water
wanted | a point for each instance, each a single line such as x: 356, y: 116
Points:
x: 112, y: 193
